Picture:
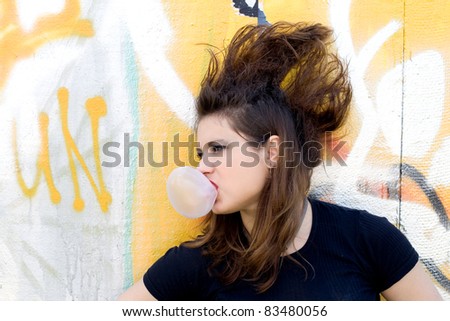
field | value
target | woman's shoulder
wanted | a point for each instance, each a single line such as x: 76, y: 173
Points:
x: 368, y: 228
x: 340, y: 211
x: 178, y: 274
x: 377, y: 239
x: 348, y: 217
x: 185, y: 251
x: 332, y: 206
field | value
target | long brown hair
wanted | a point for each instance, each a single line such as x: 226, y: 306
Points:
x: 280, y: 80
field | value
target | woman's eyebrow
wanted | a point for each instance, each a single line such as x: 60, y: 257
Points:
x: 213, y: 143
x: 217, y: 141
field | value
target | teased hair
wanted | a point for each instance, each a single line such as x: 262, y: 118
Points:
x: 283, y: 80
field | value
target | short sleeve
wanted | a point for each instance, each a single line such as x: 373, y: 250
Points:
x: 180, y: 274
x: 390, y: 255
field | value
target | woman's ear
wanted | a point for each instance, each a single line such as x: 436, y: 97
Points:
x: 272, y: 151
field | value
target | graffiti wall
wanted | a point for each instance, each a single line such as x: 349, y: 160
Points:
x: 93, y: 95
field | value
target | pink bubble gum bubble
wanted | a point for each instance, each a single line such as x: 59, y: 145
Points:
x: 190, y: 192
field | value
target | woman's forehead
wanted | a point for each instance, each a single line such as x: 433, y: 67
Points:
x: 215, y: 127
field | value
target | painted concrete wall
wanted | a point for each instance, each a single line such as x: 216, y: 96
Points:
x: 76, y: 75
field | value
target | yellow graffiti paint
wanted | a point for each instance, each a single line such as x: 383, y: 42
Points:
x: 155, y: 225
x: 17, y: 44
x: 96, y: 108
x: 42, y: 164
x: 198, y: 24
x: 296, y: 11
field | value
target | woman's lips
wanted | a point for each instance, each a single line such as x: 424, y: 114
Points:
x: 214, y: 184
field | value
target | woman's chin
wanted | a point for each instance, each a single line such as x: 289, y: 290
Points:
x: 218, y: 211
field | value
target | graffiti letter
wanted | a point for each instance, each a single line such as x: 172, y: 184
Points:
x: 96, y: 108
x: 42, y: 165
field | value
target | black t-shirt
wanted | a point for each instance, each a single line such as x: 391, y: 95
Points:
x: 349, y: 255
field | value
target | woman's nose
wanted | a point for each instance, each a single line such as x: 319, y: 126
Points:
x: 204, y: 168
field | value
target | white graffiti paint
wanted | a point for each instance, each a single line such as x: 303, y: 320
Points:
x: 151, y: 34
x: 340, y: 20
x: 49, y: 251
x: 415, y: 91
x: 440, y: 171
x: 29, y: 13
x: 251, y: 3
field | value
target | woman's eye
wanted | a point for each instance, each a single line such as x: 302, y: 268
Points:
x: 213, y: 150
x: 216, y: 148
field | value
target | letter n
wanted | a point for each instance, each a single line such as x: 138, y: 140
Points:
x: 96, y: 108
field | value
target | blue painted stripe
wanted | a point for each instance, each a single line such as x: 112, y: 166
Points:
x: 132, y: 83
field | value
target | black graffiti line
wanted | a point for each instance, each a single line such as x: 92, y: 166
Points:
x: 319, y: 192
x: 437, y: 273
x: 248, y: 11
x: 245, y: 9
x: 421, y: 181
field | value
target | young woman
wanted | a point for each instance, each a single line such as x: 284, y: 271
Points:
x: 262, y: 110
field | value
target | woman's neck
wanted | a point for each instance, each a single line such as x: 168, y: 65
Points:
x: 248, y: 220
x: 304, y: 231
